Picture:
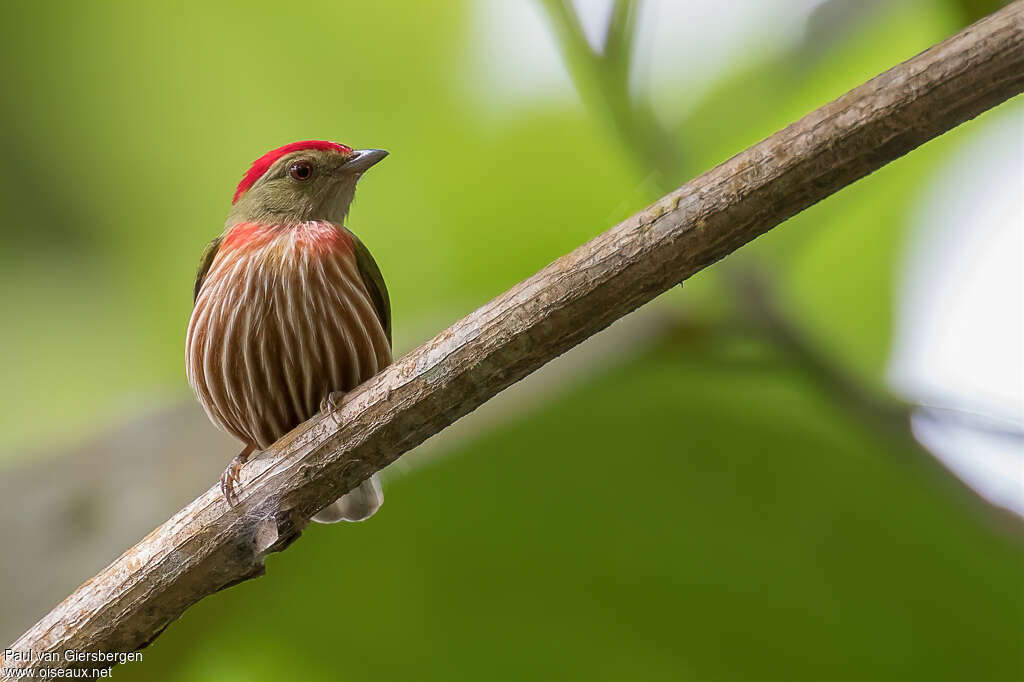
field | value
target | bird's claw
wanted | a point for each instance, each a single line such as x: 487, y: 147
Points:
x: 228, y: 480
x: 331, y: 403
x: 230, y: 477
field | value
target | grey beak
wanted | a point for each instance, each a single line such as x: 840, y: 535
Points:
x: 362, y: 159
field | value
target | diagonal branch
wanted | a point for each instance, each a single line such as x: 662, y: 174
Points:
x: 750, y: 284
x: 208, y: 546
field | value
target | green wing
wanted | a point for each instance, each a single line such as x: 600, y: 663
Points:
x: 204, y: 266
x: 374, y: 282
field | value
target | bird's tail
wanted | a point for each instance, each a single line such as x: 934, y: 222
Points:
x: 357, y: 505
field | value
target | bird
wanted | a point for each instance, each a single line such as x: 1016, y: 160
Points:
x: 290, y: 310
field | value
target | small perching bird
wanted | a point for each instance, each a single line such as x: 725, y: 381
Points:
x: 290, y: 309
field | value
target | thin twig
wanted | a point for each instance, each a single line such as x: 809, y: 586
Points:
x: 208, y: 546
x: 603, y: 82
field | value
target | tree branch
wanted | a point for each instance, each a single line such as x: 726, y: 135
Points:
x: 750, y: 283
x: 208, y: 546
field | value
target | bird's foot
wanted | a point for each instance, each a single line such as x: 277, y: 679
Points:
x: 229, y: 478
x: 331, y: 403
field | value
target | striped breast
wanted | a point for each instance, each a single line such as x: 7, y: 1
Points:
x: 283, y: 319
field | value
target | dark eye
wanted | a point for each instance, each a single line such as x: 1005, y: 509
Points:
x: 301, y: 171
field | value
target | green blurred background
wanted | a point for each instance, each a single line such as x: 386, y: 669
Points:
x: 688, y: 503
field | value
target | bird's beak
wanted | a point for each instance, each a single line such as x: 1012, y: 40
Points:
x: 362, y: 159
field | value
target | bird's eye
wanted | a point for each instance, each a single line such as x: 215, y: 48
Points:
x: 301, y: 171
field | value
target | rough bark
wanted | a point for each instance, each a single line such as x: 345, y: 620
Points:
x: 208, y: 546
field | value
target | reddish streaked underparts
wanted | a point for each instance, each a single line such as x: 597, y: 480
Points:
x: 283, y: 319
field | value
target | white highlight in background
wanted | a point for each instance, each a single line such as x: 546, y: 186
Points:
x: 684, y: 47
x: 959, y: 341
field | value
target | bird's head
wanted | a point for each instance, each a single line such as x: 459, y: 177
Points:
x: 301, y: 181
